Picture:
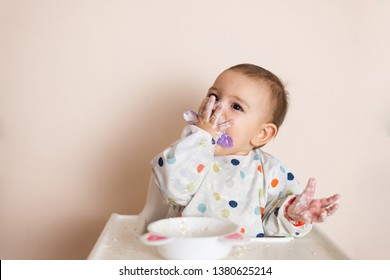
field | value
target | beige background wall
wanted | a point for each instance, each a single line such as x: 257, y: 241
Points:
x: 90, y: 91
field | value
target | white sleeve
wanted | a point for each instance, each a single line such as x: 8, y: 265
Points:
x: 179, y: 170
x: 281, y: 186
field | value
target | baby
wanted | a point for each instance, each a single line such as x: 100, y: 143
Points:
x: 240, y: 182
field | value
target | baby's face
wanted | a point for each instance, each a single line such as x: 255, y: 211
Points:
x: 246, y: 101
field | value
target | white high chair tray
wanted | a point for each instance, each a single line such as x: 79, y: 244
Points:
x: 120, y: 240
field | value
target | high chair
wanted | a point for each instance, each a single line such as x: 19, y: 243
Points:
x: 120, y: 238
x: 154, y: 208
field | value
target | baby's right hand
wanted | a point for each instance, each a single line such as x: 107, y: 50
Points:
x: 210, y: 117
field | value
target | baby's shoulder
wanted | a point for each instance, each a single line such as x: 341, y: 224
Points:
x: 274, y: 168
x: 270, y: 164
x: 266, y: 158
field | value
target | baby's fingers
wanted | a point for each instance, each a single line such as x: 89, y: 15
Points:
x: 218, y: 109
x: 308, y: 192
x: 325, y: 202
x: 332, y: 209
x: 325, y: 213
x: 206, y: 108
x: 224, y: 125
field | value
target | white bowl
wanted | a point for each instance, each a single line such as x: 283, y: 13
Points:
x: 192, y: 237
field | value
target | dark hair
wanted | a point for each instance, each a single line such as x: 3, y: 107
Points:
x: 279, y: 95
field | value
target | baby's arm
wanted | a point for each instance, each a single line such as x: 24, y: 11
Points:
x: 306, y: 209
x: 179, y: 170
x: 280, y: 187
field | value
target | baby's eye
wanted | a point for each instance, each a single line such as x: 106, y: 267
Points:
x: 213, y: 94
x: 237, y: 107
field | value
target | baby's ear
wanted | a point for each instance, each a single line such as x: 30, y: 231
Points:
x: 266, y: 132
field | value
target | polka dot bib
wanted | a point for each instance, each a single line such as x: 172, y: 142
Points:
x: 248, y: 190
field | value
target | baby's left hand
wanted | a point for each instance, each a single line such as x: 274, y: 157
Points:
x: 307, y: 209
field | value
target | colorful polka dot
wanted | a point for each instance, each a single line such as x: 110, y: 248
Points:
x: 276, y: 211
x: 235, y: 162
x: 260, y: 235
x: 256, y: 157
x: 202, y: 208
x: 190, y: 187
x: 233, y: 203
x: 217, y: 196
x: 171, y: 201
x: 290, y: 176
x: 212, y: 141
x: 282, y: 169
x: 260, y: 168
x: 289, y: 192
x: 200, y: 168
x: 242, y: 174
x: 160, y: 162
x: 260, y: 193
x: 262, y: 211
x: 169, y: 156
x: 274, y: 183
x: 225, y: 213
x: 257, y: 210
x: 242, y: 230
x: 202, y: 142
x: 216, y: 167
x: 171, y: 160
